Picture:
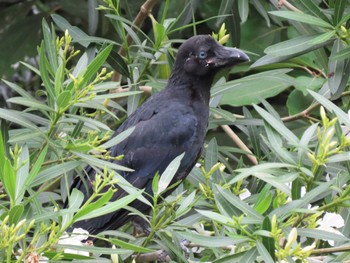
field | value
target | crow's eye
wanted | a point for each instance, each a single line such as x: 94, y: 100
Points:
x: 202, y: 54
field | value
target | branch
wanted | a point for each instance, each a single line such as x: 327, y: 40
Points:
x: 152, y: 256
x: 288, y: 6
x: 330, y: 250
x: 145, y: 10
x: 239, y: 143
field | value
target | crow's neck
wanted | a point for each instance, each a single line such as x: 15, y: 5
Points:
x: 194, y: 87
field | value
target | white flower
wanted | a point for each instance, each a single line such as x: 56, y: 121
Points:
x: 245, y: 194
x: 75, y: 239
x: 330, y: 222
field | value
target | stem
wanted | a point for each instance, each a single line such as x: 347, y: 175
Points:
x: 288, y: 6
x: 239, y: 143
x: 330, y: 250
x: 145, y: 10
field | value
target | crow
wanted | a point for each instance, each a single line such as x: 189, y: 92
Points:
x: 169, y: 123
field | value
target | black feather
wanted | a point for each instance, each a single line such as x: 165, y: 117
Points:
x: 169, y: 123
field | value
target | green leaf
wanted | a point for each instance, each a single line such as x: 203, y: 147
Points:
x: 297, y: 45
x: 75, y: 199
x: 341, y: 55
x: 30, y: 102
x: 111, y: 207
x: 225, y: 8
x: 22, y: 173
x: 243, y: 9
x: 337, y: 71
x: 268, y: 242
x: 297, y: 102
x: 323, y: 38
x: 264, y: 253
x: 18, y: 89
x: 96, y: 63
x: 225, y: 220
x: 211, y: 154
x: 212, y: 241
x: 50, y: 44
x: 59, y: 77
x: 339, y: 8
x: 92, y: 249
x: 313, y: 195
x: 303, y: 83
x: 91, y: 123
x: 223, y: 114
x: 269, y: 59
x: 55, y: 171
x: 9, y: 180
x: 185, y: 205
x: 254, y: 88
x: 75, y: 32
x: 44, y: 74
x: 250, y: 256
x: 16, y: 117
x: 169, y: 173
x: 118, y: 139
x: 94, y: 205
x: 238, y: 203
x: 304, y: 18
x: 260, y: 168
x: 311, y: 7
x: 321, y: 234
x: 101, y: 163
x: 117, y: 62
x: 15, y: 214
x: 264, y: 200
x: 296, y: 189
x: 116, y: 95
x: 36, y: 167
x: 278, y: 126
x: 127, y: 245
x: 343, y: 117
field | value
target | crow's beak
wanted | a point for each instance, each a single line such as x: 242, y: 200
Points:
x: 227, y: 56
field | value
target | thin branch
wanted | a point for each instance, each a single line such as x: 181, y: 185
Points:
x: 145, y: 10
x: 288, y: 6
x: 239, y: 143
x: 152, y: 256
x: 330, y: 250
x: 303, y: 114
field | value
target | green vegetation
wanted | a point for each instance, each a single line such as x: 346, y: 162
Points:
x: 266, y: 197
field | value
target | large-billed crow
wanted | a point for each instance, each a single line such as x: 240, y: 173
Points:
x: 170, y: 123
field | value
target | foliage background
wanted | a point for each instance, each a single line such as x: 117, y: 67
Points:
x: 289, y: 107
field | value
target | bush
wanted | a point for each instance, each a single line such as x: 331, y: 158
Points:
x: 267, y: 199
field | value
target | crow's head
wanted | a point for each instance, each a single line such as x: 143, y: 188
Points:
x: 201, y: 55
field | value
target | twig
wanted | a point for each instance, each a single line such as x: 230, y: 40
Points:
x: 302, y: 114
x: 288, y: 6
x: 239, y: 143
x: 305, y: 113
x: 151, y: 257
x: 145, y: 10
x: 330, y: 250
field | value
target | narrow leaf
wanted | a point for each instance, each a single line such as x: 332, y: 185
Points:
x: 169, y: 173
x: 112, y: 207
x: 304, y: 18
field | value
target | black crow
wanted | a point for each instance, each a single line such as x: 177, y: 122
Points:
x: 172, y: 122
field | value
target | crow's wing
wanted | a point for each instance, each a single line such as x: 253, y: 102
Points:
x: 159, y: 136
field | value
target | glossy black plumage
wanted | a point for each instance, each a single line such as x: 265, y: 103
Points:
x: 169, y: 123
